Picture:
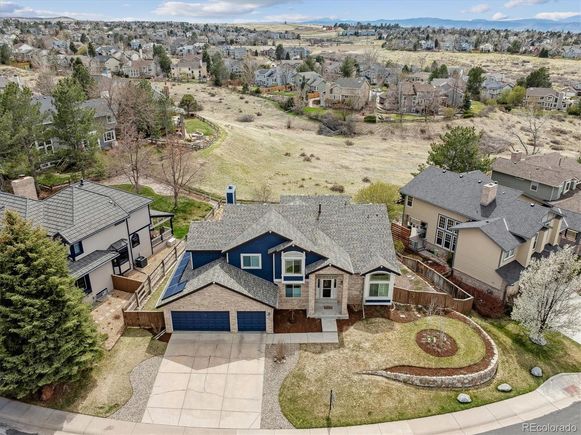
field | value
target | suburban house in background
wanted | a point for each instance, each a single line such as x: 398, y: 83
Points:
x: 103, y: 115
x: 191, y: 67
x: 107, y: 231
x: 320, y: 254
x: 547, y: 99
x: 351, y: 92
x: 488, y: 232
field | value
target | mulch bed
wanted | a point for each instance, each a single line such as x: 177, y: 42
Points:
x: 302, y: 323
x: 451, y: 371
x: 377, y: 311
x: 436, y: 343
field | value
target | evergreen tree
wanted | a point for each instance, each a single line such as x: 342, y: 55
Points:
x: 162, y: 58
x: 84, y: 38
x: 47, y: 336
x: 189, y: 103
x: 467, y: 103
x: 538, y: 79
x: 91, y: 50
x: 4, y: 54
x: 83, y: 77
x: 279, y: 52
x: 348, y: 67
x: 73, y: 47
x: 207, y: 60
x: 73, y: 125
x: 474, y: 83
x: 544, y: 53
x: 458, y: 151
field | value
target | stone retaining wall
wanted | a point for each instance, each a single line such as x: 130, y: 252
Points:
x: 450, y: 381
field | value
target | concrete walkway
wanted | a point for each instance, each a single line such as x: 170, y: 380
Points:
x: 557, y: 393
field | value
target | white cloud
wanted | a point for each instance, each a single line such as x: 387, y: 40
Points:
x: 477, y: 9
x: 214, y: 8
x: 555, y: 16
x: 514, y: 3
x: 499, y: 16
x: 9, y: 9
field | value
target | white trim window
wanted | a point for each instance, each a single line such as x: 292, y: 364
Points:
x: 534, y: 186
x: 409, y: 201
x: 445, y: 236
x: 507, y: 255
x: 293, y: 264
x: 379, y: 286
x: 109, y: 136
x: 251, y: 261
x: 567, y: 187
x: 292, y: 290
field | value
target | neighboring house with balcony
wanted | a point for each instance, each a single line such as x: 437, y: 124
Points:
x: 189, y: 68
x: 346, y: 92
x: 547, y: 99
x: 104, y: 229
x: 488, y: 232
x: 320, y: 254
x: 546, y: 177
x: 141, y: 68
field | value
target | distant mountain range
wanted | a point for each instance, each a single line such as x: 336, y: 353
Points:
x: 573, y: 25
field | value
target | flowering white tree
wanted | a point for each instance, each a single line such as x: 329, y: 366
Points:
x: 547, y: 287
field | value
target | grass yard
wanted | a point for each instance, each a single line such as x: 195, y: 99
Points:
x: 56, y: 178
x: 150, y: 304
x: 197, y: 125
x: 188, y: 209
x: 108, y: 387
x: 380, y: 343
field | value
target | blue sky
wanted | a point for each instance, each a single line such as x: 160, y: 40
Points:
x: 291, y: 10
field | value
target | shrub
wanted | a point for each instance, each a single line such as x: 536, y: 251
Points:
x: 306, y: 159
x: 257, y: 91
x: 370, y: 118
x: 287, y: 154
x: 289, y: 124
x: 449, y: 112
x: 399, y: 246
x: 245, y: 118
x: 337, y: 188
x: 258, y: 113
x: 333, y: 126
x: 366, y: 180
x: 349, y: 142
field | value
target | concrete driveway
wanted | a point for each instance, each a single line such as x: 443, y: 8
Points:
x: 209, y: 380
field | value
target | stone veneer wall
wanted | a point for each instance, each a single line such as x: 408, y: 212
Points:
x: 301, y: 303
x: 473, y: 282
x: 451, y: 381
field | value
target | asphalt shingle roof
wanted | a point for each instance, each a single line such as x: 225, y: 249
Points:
x: 460, y: 193
x: 542, y: 169
x: 496, y: 229
x: 90, y: 262
x: 354, y: 237
x: 77, y: 211
x: 221, y: 273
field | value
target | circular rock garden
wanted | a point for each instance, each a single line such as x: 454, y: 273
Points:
x: 436, y: 343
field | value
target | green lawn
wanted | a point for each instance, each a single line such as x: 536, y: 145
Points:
x: 56, y: 178
x: 188, y: 209
x: 150, y: 304
x: 379, y: 343
x: 476, y: 107
x: 108, y: 387
x: 197, y: 125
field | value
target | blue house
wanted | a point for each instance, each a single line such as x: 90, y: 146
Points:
x: 314, y: 253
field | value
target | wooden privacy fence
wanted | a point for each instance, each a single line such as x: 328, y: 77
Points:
x: 148, y: 286
x: 145, y: 319
x: 449, y: 296
x: 125, y: 284
x: 401, y: 233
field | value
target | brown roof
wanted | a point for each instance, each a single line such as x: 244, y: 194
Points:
x: 550, y: 169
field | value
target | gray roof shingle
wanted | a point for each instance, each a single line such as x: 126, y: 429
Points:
x: 549, y: 169
x: 221, y: 273
x: 496, y: 229
x: 353, y: 237
x: 90, y: 262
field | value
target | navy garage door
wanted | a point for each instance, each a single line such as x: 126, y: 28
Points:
x: 251, y: 320
x: 200, y: 320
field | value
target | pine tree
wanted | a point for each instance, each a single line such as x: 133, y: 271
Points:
x: 47, y: 336
x: 83, y: 77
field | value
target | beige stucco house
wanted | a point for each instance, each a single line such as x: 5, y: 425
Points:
x: 346, y: 92
x: 488, y: 232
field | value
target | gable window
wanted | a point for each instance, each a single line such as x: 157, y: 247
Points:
x: 508, y: 254
x: 135, y: 240
x: 410, y: 201
x: 84, y: 284
x: 251, y: 261
x: 292, y: 290
x: 293, y: 265
x: 379, y: 286
x: 534, y: 186
x: 109, y: 136
x: 445, y: 236
x: 76, y: 249
x: 567, y: 186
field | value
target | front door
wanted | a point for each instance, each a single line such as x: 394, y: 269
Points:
x: 327, y: 287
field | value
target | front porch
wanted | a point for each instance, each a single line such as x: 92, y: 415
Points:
x: 328, y: 294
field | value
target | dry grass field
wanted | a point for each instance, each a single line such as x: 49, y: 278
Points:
x: 266, y: 151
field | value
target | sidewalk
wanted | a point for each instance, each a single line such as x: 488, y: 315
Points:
x: 557, y: 393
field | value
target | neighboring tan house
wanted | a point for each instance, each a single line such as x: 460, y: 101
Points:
x: 320, y: 254
x: 105, y: 229
x: 190, y: 68
x: 493, y: 88
x: 546, y: 177
x: 309, y: 81
x: 346, y: 92
x: 489, y: 232
x: 547, y: 99
x: 411, y: 97
x: 103, y: 64
x: 140, y: 69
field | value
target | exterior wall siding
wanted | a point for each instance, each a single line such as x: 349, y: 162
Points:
x: 200, y: 259
x: 100, y: 280
x: 104, y: 239
x: 217, y: 298
x: 260, y: 245
x: 544, y: 192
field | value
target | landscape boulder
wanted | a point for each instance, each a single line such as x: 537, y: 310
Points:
x: 537, y: 372
x: 505, y: 388
x: 464, y: 398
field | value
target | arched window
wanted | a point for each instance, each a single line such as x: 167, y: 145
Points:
x: 135, y: 240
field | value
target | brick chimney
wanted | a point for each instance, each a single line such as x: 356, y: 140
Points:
x: 516, y: 156
x: 24, y: 187
x: 488, y: 194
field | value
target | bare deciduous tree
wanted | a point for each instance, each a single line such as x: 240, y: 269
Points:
x: 45, y: 82
x: 249, y: 67
x: 529, y: 136
x: 547, y: 287
x: 263, y: 193
x: 178, y: 166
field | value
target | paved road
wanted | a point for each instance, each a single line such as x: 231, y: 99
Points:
x: 567, y: 416
x: 9, y: 430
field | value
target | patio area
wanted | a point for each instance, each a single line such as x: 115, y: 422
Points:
x: 140, y: 274
x: 108, y: 316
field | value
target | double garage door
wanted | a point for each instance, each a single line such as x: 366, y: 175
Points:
x: 217, y: 320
